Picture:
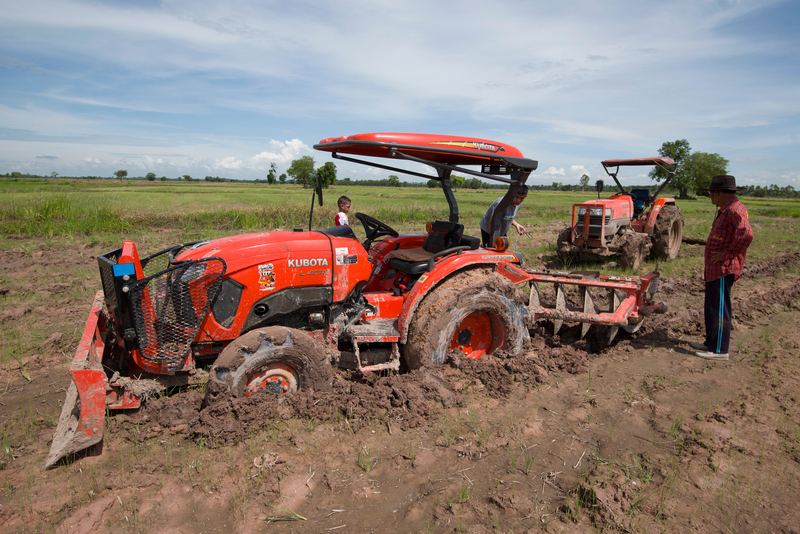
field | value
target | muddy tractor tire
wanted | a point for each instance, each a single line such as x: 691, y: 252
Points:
x: 476, y: 312
x: 633, y: 250
x: 275, y: 359
x: 563, y: 243
x: 668, y: 233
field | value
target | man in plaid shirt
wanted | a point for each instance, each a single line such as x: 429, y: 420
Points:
x: 726, y: 249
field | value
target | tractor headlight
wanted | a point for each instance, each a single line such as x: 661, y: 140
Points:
x: 593, y: 212
x: 193, y: 272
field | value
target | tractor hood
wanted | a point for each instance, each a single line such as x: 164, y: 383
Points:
x: 243, y: 251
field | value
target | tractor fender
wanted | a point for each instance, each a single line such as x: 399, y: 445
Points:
x: 652, y: 215
x: 446, y: 268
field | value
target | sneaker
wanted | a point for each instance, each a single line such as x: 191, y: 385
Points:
x: 698, y: 346
x: 706, y: 355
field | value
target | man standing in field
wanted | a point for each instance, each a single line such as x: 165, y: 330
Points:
x: 725, y: 252
x: 508, y: 217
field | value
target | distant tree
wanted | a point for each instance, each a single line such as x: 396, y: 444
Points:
x: 163, y: 178
x: 433, y: 184
x: 302, y: 170
x: 186, y: 177
x: 151, y: 176
x: 680, y: 151
x: 394, y: 181
x: 327, y: 174
x: 702, y: 166
x: 473, y: 183
x: 584, y: 181
x: 456, y: 181
x: 282, y: 178
x: 272, y: 175
x: 121, y: 174
x: 53, y: 174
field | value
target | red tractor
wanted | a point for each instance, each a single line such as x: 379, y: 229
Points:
x: 276, y: 311
x: 629, y: 223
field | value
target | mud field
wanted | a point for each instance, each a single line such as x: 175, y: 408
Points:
x: 641, y: 436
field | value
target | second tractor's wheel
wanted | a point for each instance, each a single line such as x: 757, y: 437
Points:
x: 476, y: 312
x: 563, y: 243
x: 668, y: 233
x: 633, y: 250
x: 275, y: 359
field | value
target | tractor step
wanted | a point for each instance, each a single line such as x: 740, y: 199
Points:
x: 375, y: 331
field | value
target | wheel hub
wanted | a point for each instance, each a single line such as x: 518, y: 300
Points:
x: 473, y: 337
x: 277, y: 378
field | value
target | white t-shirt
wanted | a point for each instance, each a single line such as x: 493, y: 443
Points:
x: 341, y: 219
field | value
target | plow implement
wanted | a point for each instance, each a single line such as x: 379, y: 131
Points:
x: 628, y: 300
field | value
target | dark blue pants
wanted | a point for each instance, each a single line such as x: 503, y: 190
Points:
x: 717, y: 310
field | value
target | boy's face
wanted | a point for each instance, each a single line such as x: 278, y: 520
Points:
x: 518, y: 200
x: 345, y: 207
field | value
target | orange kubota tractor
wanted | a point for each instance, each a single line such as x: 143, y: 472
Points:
x: 275, y: 311
x: 628, y: 224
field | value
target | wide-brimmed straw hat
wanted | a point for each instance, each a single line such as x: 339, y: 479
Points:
x: 724, y: 182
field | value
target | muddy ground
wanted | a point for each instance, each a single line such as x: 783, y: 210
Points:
x: 641, y: 436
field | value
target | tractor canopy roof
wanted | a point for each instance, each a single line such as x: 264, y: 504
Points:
x: 443, y: 152
x: 664, y: 163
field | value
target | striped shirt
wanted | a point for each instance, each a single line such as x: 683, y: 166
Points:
x: 730, y: 235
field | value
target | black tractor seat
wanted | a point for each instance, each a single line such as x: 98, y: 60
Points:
x: 445, y: 237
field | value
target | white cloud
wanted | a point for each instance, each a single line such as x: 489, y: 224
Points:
x: 281, y: 152
x: 552, y: 171
x: 579, y: 171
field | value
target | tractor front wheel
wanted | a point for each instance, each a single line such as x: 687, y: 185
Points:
x: 632, y: 251
x: 668, y: 233
x: 563, y: 243
x: 476, y: 312
x: 275, y: 359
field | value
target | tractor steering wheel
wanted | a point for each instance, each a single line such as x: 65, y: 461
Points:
x: 374, y: 229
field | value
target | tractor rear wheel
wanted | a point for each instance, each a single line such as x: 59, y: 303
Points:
x: 476, y: 312
x: 632, y: 251
x: 275, y: 359
x: 668, y: 233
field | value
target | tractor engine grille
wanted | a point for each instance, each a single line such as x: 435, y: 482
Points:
x: 595, y: 224
x: 169, y: 306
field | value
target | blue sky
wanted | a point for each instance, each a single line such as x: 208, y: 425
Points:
x: 216, y: 88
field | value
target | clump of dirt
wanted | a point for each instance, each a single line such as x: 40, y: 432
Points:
x: 408, y: 400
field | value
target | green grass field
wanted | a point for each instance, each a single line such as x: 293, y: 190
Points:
x: 108, y: 212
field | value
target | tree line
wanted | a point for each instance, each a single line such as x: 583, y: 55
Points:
x: 693, y: 172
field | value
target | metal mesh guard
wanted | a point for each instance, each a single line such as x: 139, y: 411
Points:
x: 106, y: 263
x: 169, y: 306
